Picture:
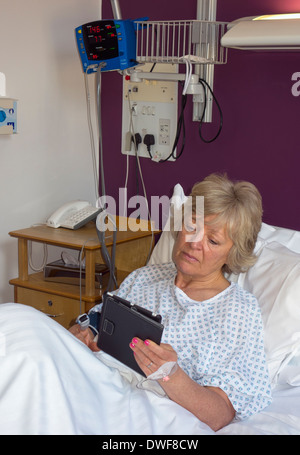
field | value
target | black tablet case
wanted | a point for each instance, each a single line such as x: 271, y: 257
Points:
x: 121, y: 322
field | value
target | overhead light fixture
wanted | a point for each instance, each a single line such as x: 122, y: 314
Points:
x: 267, y: 32
x: 268, y: 17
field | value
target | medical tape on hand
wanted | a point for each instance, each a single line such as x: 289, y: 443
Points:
x: 164, y: 372
x: 150, y: 383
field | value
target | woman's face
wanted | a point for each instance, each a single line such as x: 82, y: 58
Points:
x: 203, y: 257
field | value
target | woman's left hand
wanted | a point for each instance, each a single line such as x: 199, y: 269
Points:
x: 86, y: 336
x: 151, y: 356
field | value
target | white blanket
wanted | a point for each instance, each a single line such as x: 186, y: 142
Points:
x: 50, y: 383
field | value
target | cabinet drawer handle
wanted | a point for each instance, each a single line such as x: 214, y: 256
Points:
x: 53, y: 315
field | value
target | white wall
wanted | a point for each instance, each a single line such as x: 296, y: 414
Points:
x: 49, y: 161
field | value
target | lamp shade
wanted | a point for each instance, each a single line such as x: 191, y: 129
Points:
x: 270, y: 32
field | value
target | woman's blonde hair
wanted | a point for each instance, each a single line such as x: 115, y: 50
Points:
x: 238, y: 206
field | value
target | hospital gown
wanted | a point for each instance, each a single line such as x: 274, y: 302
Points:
x: 219, y: 342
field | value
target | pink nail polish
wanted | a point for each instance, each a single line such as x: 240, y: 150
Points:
x: 132, y: 345
x: 135, y: 340
x: 147, y: 342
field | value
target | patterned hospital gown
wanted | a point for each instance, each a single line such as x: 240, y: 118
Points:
x: 219, y: 342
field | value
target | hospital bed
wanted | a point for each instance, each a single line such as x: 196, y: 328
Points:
x: 50, y: 383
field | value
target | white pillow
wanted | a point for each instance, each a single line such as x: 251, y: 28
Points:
x: 290, y: 370
x: 275, y: 282
x: 287, y: 237
x: 162, y: 251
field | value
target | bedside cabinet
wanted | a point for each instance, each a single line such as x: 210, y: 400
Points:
x: 64, y: 302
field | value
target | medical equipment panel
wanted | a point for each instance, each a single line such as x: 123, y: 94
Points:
x: 149, y: 114
x: 109, y: 43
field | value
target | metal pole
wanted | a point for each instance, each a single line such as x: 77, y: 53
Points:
x: 116, y: 9
x: 206, y: 11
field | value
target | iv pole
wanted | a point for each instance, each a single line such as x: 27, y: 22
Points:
x: 116, y: 9
x: 206, y: 11
x: 109, y: 259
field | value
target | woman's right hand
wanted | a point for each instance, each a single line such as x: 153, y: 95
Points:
x: 151, y: 356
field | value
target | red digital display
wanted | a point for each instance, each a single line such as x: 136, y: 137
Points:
x: 101, y: 40
x: 95, y: 29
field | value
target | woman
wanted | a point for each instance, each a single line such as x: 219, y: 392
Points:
x: 213, y: 328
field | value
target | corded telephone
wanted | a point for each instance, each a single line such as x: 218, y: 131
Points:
x: 73, y: 215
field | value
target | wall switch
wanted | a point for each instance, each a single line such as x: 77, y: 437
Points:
x: 8, y: 115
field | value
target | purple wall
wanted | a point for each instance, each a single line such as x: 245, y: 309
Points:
x: 259, y: 140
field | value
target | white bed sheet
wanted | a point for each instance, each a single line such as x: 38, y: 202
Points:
x: 50, y: 383
x: 282, y: 417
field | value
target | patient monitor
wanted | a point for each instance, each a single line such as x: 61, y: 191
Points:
x: 110, y: 44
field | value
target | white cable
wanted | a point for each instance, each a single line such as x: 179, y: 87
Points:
x: 127, y: 160
x: 91, y: 133
x: 109, y: 259
x: 141, y: 175
x: 188, y: 75
x: 81, y: 261
x: 100, y: 135
x: 125, y: 185
x: 44, y: 262
x: 136, y: 152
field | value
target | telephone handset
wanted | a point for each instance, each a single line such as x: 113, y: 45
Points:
x: 73, y: 215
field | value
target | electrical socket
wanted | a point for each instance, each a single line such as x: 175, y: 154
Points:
x: 164, y: 131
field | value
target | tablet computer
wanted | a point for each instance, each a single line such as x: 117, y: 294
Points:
x: 120, y: 322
